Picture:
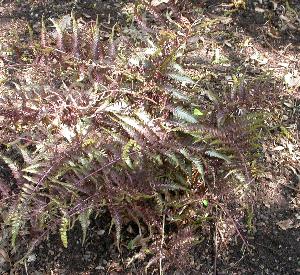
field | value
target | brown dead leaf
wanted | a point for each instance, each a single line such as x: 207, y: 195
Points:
x: 4, y: 255
x: 285, y: 224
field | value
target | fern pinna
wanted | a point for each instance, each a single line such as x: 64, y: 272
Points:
x: 113, y: 122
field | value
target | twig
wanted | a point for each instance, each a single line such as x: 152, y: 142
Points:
x: 291, y: 187
x: 161, y: 245
x: 216, y: 246
x: 26, y: 270
x: 235, y: 225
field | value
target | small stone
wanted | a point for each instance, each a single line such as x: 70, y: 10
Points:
x: 129, y: 229
x: 285, y: 117
x: 31, y: 258
x: 99, y: 267
x: 100, y: 232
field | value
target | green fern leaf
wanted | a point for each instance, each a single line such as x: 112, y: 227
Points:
x: 237, y: 175
x: 196, y: 162
x: 16, y: 223
x: 177, y: 94
x: 84, y: 219
x: 30, y: 179
x: 184, y: 80
x: 131, y: 122
x: 143, y: 116
x: 13, y: 167
x: 33, y: 168
x: 27, y: 191
x: 182, y: 114
x: 131, y: 144
x: 64, y: 226
x: 199, y: 166
x: 59, y: 33
x: 173, y: 159
x: 215, y: 154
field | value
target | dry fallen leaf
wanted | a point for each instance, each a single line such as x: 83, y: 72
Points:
x: 285, y: 224
x: 4, y: 255
x: 158, y: 2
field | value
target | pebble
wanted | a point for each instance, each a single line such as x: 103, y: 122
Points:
x: 100, y: 232
x: 31, y: 258
x: 99, y: 267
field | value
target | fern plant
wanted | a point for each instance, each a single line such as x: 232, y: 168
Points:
x: 110, y: 123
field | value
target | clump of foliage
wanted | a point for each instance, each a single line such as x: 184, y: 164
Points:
x: 117, y: 123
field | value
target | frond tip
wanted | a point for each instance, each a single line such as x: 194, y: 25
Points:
x: 184, y: 115
x: 64, y: 226
x: 16, y: 223
x: 84, y: 219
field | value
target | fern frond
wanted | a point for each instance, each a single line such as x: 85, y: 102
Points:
x: 176, y: 93
x: 168, y: 185
x: 184, y: 115
x: 184, y: 80
x: 237, y: 175
x: 43, y: 34
x: 131, y: 144
x: 118, y: 225
x: 215, y: 154
x: 144, y: 130
x: 64, y: 226
x: 59, y: 34
x: 84, y: 219
x: 143, y: 116
x: 27, y: 192
x: 16, y: 223
x: 30, y: 179
x: 173, y: 159
x: 96, y: 52
x: 199, y: 166
x: 197, y: 162
x: 34, y: 168
x: 12, y: 166
x: 112, y: 45
x: 75, y: 36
